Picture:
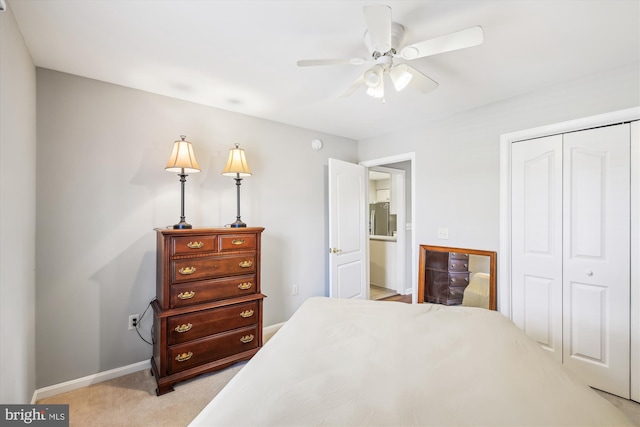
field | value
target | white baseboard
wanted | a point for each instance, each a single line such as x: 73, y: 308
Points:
x: 49, y: 391
x: 269, y: 331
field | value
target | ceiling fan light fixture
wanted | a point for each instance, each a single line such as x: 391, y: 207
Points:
x: 377, y: 91
x: 400, y: 76
x: 373, y: 76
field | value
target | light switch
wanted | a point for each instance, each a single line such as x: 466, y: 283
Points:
x: 443, y: 233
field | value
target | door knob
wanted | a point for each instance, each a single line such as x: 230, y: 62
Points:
x: 589, y: 273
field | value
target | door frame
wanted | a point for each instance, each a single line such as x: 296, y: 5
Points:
x: 504, y: 255
x: 387, y: 161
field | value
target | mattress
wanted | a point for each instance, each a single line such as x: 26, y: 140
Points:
x: 340, y: 362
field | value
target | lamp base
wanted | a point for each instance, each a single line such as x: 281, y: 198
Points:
x: 238, y: 224
x: 182, y: 226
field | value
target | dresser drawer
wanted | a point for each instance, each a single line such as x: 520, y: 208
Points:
x: 458, y: 264
x: 458, y: 255
x: 184, y: 270
x: 191, y: 293
x: 459, y: 279
x: 237, y: 242
x: 195, y: 353
x: 193, y: 245
x: 456, y: 292
x: 192, y: 326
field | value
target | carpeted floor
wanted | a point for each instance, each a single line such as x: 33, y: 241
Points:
x: 131, y: 401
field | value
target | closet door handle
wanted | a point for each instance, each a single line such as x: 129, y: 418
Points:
x: 589, y: 273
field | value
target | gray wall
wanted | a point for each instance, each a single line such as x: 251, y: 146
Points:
x: 17, y: 214
x: 102, y: 188
x: 457, y: 163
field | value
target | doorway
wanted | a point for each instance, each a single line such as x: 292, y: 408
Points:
x: 386, y: 204
x: 392, y: 259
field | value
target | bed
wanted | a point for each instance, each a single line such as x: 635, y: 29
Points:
x: 340, y: 362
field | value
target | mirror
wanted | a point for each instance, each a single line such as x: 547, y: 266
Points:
x: 457, y: 276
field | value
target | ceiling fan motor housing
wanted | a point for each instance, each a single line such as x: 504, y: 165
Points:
x: 397, y: 35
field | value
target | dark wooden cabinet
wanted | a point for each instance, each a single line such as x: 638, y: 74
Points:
x: 208, y: 306
x: 446, y: 276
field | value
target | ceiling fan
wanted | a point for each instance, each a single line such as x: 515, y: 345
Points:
x: 383, y: 39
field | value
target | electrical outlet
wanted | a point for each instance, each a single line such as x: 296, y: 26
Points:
x: 294, y: 290
x: 134, y: 321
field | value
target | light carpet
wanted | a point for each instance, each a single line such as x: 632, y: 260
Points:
x: 131, y: 401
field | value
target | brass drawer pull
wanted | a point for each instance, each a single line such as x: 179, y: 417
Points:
x: 195, y: 245
x: 238, y: 242
x: 246, y: 264
x: 186, y: 295
x: 247, y: 338
x: 187, y: 270
x: 246, y: 313
x: 184, y: 357
x: 184, y: 328
x: 244, y: 286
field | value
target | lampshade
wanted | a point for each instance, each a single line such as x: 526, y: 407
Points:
x: 400, y: 76
x: 373, y: 76
x: 182, y: 159
x: 377, y: 91
x: 237, y: 163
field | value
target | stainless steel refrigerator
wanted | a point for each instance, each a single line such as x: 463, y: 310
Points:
x: 381, y: 221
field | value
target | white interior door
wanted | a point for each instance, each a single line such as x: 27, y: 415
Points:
x: 348, y: 226
x: 537, y: 240
x: 596, y: 230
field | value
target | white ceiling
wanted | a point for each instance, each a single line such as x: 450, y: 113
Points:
x: 241, y: 55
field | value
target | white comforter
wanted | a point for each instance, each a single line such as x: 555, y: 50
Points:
x: 350, y: 362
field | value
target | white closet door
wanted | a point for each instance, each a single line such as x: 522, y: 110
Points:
x: 537, y: 240
x: 596, y: 261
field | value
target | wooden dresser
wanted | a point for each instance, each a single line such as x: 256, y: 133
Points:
x: 446, y: 277
x: 208, y: 306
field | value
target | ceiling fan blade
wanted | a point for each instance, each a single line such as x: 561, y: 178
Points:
x: 459, y: 40
x: 378, y: 19
x: 345, y: 61
x: 421, y: 82
x: 355, y: 86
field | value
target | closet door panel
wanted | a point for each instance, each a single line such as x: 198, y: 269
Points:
x: 596, y: 256
x: 538, y: 306
x: 537, y: 240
